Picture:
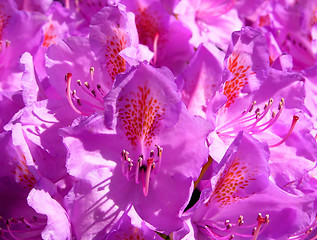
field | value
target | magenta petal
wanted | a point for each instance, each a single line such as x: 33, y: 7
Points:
x: 58, y: 225
x: 163, y: 206
x: 243, y: 198
x: 202, y: 78
x: 111, y: 31
x: 133, y: 154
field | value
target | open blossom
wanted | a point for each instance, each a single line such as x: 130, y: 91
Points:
x: 25, y: 24
x: 162, y: 33
x: 255, y: 97
x: 209, y: 20
x: 140, y: 151
x: 245, y: 204
x: 158, y: 119
x: 291, y: 25
x: 89, y: 66
x: 28, y: 209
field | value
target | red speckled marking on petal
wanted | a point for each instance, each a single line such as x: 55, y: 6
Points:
x: 148, y: 25
x: 140, y: 113
x: 4, y: 20
x: 23, y: 175
x: 313, y: 18
x: 234, y: 178
x: 49, y: 34
x: 114, y: 44
x: 241, y: 72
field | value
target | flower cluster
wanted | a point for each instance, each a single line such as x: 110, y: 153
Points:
x: 157, y: 119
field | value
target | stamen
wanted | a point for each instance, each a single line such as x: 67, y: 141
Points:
x: 82, y: 101
x: 123, y: 159
x: 159, y: 154
x: 79, y: 83
x: 68, y: 79
x: 252, y: 106
x: 251, y: 123
x: 31, y: 230
x: 230, y: 230
x: 91, y: 71
x: 257, y: 229
x: 214, y: 235
x: 234, y: 121
x: 240, y: 220
x: 3, y: 47
x: 137, y: 169
x: 100, y: 89
x: 141, y: 171
x: 130, y: 164
x: 295, y: 119
x: 91, y: 93
x: 269, y: 123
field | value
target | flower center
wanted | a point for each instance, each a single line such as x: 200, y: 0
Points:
x: 141, y: 169
x: 87, y: 97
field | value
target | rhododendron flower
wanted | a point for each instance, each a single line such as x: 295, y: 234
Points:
x: 158, y: 119
x: 21, y: 178
x: 209, y: 20
x: 26, y: 25
x: 244, y: 204
x: 90, y: 66
x: 260, y: 101
x: 139, y: 152
x: 160, y: 30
